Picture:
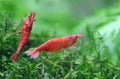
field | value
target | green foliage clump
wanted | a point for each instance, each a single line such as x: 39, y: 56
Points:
x: 8, y: 40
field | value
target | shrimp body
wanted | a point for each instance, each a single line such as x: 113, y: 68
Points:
x: 54, y: 45
x: 25, y: 33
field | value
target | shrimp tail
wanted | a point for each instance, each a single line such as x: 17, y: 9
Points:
x: 14, y: 57
x: 32, y: 53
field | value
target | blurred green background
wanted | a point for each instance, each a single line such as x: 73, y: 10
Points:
x: 97, y: 55
x: 55, y: 14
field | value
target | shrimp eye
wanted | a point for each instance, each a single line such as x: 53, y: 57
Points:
x: 76, y: 37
